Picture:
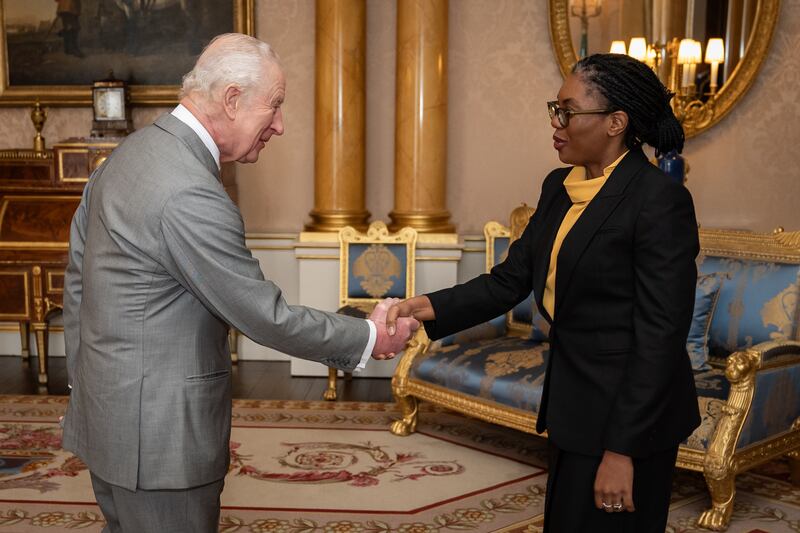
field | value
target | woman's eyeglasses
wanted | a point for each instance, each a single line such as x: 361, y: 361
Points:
x: 563, y: 115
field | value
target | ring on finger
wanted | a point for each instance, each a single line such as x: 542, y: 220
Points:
x: 618, y: 507
x: 607, y: 506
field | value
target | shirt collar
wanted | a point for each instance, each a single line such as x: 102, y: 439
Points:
x: 582, y: 190
x: 186, y: 116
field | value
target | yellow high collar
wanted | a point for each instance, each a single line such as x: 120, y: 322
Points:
x: 582, y: 190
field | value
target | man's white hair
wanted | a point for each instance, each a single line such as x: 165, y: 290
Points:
x: 229, y: 58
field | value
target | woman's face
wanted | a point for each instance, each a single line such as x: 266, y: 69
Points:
x: 585, y: 139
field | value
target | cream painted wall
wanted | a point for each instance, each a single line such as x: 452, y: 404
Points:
x: 277, y: 192
x: 501, y: 71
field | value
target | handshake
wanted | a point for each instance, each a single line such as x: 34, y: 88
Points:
x: 392, y: 340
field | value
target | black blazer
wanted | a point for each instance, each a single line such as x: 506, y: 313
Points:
x: 618, y: 376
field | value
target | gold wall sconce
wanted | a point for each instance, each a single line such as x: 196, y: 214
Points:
x: 693, y: 109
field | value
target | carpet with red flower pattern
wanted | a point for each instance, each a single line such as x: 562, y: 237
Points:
x: 314, y: 467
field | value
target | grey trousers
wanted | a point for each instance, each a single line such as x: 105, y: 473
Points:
x: 194, y: 510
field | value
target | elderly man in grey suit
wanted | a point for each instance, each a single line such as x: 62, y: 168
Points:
x: 158, y: 269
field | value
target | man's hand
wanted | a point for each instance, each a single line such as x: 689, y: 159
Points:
x: 418, y: 307
x: 613, y: 484
x: 386, y: 345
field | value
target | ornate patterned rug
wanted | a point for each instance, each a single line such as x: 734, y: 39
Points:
x: 314, y: 467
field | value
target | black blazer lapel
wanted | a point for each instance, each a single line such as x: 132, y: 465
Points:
x: 558, y: 208
x: 593, y: 218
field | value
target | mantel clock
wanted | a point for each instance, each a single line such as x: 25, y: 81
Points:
x: 111, y: 108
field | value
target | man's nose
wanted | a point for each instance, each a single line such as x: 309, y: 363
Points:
x: 277, y: 123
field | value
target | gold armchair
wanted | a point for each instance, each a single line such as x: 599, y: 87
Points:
x: 504, y: 343
x: 753, y: 340
x: 372, y: 266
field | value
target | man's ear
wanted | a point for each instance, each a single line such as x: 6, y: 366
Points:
x: 231, y: 96
x: 619, y: 123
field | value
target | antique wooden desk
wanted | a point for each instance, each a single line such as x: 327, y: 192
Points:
x: 39, y: 192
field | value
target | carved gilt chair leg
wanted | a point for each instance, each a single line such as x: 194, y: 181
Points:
x: 330, y: 392
x: 233, y: 342
x: 25, y: 338
x: 41, y: 331
x: 794, y: 466
x: 722, y: 490
x: 409, y: 407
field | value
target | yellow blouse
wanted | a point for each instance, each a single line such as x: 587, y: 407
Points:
x: 580, y: 191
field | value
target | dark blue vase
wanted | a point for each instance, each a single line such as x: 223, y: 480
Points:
x: 673, y: 165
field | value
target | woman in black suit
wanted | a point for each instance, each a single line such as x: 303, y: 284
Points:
x: 610, y: 255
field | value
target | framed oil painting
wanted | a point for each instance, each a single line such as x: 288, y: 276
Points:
x: 52, y: 50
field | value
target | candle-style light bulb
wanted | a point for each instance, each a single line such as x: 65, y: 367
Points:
x: 697, y: 58
x: 638, y: 48
x: 689, y: 55
x: 715, y: 54
x: 618, y: 47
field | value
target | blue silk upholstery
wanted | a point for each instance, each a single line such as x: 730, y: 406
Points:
x: 712, y: 394
x: 540, y: 328
x: 757, y: 303
x: 523, y: 312
x: 500, y: 249
x: 508, y: 370
x: 388, y: 277
x: 492, y: 329
x: 526, y: 311
x: 775, y: 406
x: 705, y: 301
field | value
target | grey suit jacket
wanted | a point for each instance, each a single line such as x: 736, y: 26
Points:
x: 158, y: 268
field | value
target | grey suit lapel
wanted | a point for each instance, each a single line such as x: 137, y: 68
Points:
x: 173, y: 126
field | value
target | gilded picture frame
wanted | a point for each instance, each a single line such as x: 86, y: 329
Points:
x: 731, y: 92
x: 131, y: 41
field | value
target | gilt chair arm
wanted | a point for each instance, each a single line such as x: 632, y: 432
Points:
x: 751, y: 372
x: 417, y: 346
x: 743, y: 365
x: 772, y: 353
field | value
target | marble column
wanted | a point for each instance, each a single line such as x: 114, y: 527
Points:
x: 421, y: 118
x: 339, y: 165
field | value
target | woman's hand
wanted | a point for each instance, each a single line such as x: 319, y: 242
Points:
x: 418, y: 307
x: 613, y: 484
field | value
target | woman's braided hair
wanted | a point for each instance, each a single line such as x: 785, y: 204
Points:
x: 631, y: 86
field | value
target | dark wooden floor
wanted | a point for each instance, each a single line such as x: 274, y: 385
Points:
x: 262, y: 380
